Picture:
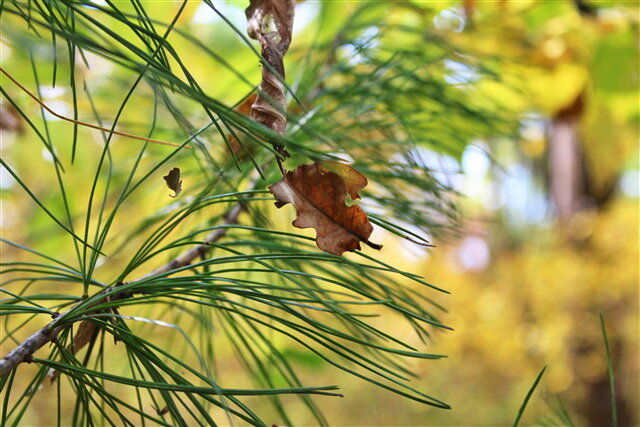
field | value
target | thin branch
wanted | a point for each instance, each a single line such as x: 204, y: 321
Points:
x: 274, y: 49
x: 189, y: 256
x: 89, y: 125
x: 24, y: 351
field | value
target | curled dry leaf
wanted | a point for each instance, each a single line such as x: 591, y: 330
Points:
x: 318, y: 195
x: 173, y: 181
x: 245, y: 106
x: 270, y: 105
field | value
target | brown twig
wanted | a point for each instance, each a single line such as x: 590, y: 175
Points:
x: 24, y: 351
x: 274, y: 45
x: 89, y: 125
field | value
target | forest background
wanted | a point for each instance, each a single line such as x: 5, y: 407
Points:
x: 527, y: 122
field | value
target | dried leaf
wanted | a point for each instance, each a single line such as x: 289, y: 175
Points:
x: 270, y: 105
x: 242, y: 152
x: 173, y: 181
x: 245, y: 106
x: 258, y: 15
x: 355, y: 180
x: 10, y: 118
x: 319, y: 199
x: 162, y: 411
x: 82, y: 336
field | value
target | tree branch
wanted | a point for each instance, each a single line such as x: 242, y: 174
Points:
x: 24, y: 351
x: 274, y: 45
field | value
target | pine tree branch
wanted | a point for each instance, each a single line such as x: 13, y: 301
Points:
x: 274, y: 45
x: 24, y: 351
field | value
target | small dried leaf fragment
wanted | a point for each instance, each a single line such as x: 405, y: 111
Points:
x: 10, y: 119
x: 239, y: 150
x: 162, y: 411
x: 82, y: 337
x: 173, y: 181
x: 319, y: 198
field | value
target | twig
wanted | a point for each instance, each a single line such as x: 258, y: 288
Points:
x: 24, y: 351
x: 200, y: 250
x: 89, y: 125
x: 274, y: 45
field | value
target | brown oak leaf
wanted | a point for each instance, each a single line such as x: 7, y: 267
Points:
x: 318, y: 195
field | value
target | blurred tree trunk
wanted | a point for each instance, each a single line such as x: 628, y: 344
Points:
x: 571, y: 190
x: 566, y: 166
x: 570, y: 183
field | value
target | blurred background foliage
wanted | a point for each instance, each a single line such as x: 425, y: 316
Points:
x: 523, y: 116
